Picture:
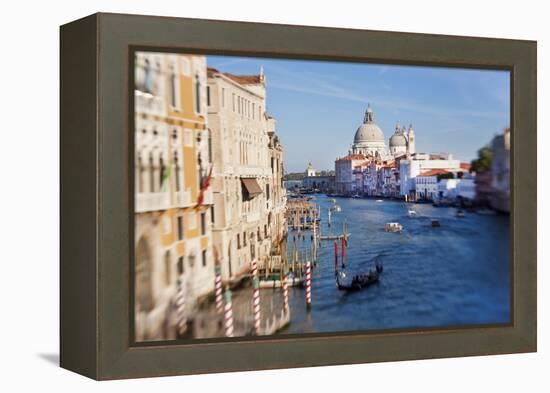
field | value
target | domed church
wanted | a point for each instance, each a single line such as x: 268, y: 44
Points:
x: 369, y: 139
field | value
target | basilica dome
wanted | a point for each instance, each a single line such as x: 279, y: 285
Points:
x: 369, y: 131
x: 398, y: 140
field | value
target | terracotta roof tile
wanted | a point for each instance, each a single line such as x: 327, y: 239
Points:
x: 350, y: 157
x: 434, y: 172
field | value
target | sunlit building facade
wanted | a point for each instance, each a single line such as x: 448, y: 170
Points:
x: 248, y: 167
x: 173, y: 241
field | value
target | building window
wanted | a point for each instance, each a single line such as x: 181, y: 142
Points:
x: 244, y: 239
x: 178, y: 169
x: 192, y: 260
x: 203, y: 258
x: 181, y: 266
x: 209, y: 146
x: 173, y: 86
x: 208, y: 95
x: 140, y: 170
x: 267, y: 193
x: 212, y: 214
x: 233, y: 100
x: 238, y: 241
x: 148, y: 78
x: 162, y: 173
x: 151, y: 174
x: 223, y: 97
x: 167, y: 268
x: 197, y: 94
x: 180, y: 227
x: 203, y: 224
x: 265, y: 231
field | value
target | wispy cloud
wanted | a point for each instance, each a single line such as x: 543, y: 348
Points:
x: 230, y: 62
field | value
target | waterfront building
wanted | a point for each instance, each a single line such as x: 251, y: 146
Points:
x: 172, y: 213
x: 276, y: 192
x: 345, y: 179
x: 500, y: 172
x: 451, y: 189
x: 483, y: 181
x: 248, y: 168
x: 426, y: 184
x: 412, y: 167
x: 321, y: 183
x: 389, y: 174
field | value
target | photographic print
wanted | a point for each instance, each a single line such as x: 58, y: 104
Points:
x: 276, y: 197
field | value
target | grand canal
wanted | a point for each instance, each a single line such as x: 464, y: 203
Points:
x: 454, y: 275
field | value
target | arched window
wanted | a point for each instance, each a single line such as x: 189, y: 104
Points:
x: 151, y: 173
x: 181, y: 266
x: 173, y: 86
x: 167, y: 268
x: 198, y: 94
x: 139, y: 175
x: 177, y: 170
x: 148, y: 77
x: 143, y: 279
x: 162, y: 173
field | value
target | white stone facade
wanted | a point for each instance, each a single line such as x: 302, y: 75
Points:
x: 243, y: 142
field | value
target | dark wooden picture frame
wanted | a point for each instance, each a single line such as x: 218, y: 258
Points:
x: 97, y: 195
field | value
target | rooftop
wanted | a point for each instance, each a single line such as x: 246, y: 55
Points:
x: 242, y: 79
x: 434, y: 172
x: 350, y: 157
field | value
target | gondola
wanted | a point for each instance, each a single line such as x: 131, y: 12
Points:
x: 361, y: 281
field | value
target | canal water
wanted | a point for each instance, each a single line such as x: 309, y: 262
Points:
x: 454, y: 275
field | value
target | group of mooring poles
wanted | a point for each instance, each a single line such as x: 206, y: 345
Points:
x: 223, y: 300
x: 344, y: 240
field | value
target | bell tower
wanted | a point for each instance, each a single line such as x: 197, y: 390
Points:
x: 411, y: 140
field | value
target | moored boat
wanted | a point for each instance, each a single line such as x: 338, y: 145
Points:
x: 276, y: 282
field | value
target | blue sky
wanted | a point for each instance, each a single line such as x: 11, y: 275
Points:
x: 318, y: 105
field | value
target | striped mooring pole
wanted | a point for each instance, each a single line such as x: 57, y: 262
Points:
x: 180, y: 309
x: 343, y: 253
x: 285, y: 293
x: 256, y: 296
x: 336, y: 256
x: 308, y: 284
x: 218, y: 289
x: 228, y: 314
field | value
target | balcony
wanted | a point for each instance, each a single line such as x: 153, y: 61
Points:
x: 146, y: 202
x: 148, y: 103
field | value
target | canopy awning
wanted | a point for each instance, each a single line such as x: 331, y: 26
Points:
x: 251, y: 186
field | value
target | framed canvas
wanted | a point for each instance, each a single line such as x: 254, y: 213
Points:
x: 242, y: 196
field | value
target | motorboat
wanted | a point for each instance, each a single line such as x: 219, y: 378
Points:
x: 460, y: 213
x: 394, y: 227
x: 411, y: 213
x: 436, y: 223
